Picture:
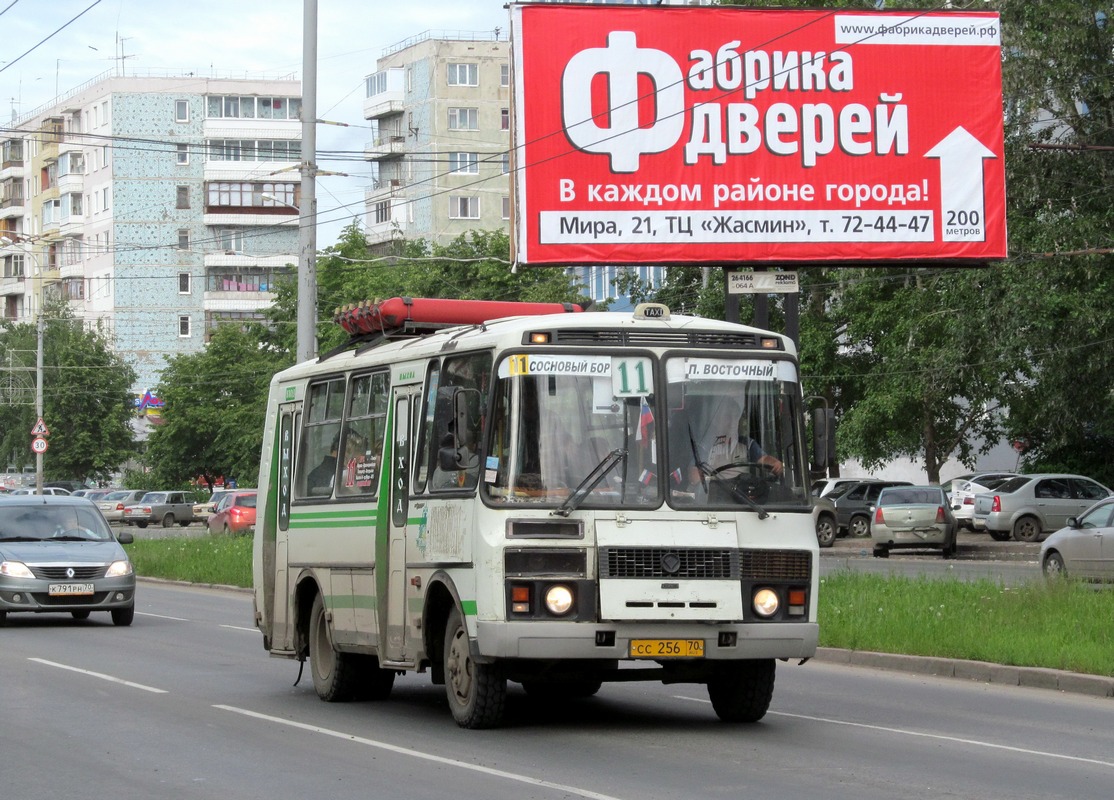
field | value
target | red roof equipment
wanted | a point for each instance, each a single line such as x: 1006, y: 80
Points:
x: 381, y: 317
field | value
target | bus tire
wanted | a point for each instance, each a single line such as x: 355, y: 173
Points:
x: 741, y: 691
x: 335, y: 674
x: 477, y: 692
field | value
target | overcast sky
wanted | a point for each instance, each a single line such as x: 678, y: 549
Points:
x: 250, y: 38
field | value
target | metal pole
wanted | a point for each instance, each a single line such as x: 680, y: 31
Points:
x: 307, y: 220
x: 39, y: 381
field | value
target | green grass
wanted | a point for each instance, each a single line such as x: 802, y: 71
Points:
x: 1065, y: 625
x: 223, y: 560
x: 1060, y: 626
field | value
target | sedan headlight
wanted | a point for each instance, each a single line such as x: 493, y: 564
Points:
x: 118, y: 569
x: 15, y: 569
x: 558, y: 599
x: 766, y: 602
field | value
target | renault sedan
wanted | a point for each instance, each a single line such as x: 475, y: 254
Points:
x: 913, y: 518
x: 1028, y: 506
x: 58, y: 555
x: 1085, y: 548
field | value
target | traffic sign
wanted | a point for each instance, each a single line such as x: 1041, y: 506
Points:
x: 38, y: 445
x: 40, y: 429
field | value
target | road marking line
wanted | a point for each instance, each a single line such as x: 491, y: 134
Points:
x: 498, y: 773
x: 100, y: 675
x: 160, y: 616
x: 240, y: 628
x: 921, y: 734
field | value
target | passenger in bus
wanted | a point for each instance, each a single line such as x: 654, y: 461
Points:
x: 321, y: 477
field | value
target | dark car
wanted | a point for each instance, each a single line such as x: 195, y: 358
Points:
x: 161, y: 508
x: 58, y: 554
x: 853, y: 505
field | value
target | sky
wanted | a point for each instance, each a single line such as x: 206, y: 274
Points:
x: 245, y: 38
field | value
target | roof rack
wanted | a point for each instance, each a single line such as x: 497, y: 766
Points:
x: 417, y: 314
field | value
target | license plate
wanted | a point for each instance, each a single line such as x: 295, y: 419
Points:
x: 667, y: 648
x: 61, y: 589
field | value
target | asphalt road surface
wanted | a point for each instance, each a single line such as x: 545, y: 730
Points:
x: 186, y: 704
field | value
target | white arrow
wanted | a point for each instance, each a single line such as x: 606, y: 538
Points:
x: 962, y: 195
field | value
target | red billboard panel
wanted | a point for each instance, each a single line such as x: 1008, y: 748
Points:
x: 679, y: 134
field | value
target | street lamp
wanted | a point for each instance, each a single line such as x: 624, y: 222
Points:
x: 6, y: 241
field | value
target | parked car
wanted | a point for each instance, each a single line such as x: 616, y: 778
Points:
x: 913, y: 517
x: 112, y: 505
x: 962, y: 497
x: 1084, y: 548
x: 53, y: 491
x: 69, y: 486
x: 235, y: 513
x: 824, y: 518
x: 58, y: 554
x: 203, y: 510
x: 853, y: 505
x: 1029, y: 505
x: 165, y: 508
x: 949, y: 486
x: 826, y: 486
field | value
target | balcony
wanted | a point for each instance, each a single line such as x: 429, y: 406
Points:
x: 385, y: 147
x: 384, y: 104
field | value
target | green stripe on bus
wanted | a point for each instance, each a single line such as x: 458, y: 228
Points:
x: 360, y: 601
x: 468, y: 607
x: 353, y: 512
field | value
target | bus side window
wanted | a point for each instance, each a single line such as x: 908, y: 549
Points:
x: 321, y: 439
x: 459, y: 424
x: 364, y: 427
x: 427, y: 440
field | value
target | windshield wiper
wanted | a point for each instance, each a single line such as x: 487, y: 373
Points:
x: 589, y: 483
x: 20, y: 539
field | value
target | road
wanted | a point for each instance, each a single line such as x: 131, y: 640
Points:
x: 186, y: 704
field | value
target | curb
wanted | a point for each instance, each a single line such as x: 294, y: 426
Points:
x: 981, y: 671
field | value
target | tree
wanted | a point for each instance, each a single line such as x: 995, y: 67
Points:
x: 216, y: 401
x: 88, y: 403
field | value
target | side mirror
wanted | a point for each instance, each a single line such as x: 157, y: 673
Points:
x: 1073, y: 522
x: 125, y: 537
x: 823, y: 439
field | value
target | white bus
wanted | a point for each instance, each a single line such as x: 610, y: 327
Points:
x: 550, y: 499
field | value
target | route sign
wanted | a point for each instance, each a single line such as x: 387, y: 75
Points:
x: 39, y: 445
x: 40, y: 429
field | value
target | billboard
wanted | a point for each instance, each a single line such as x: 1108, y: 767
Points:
x: 712, y: 135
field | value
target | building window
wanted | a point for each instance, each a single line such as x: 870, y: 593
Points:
x: 504, y: 74
x: 72, y: 204
x: 183, y: 326
x: 461, y: 207
x: 234, y: 107
x: 464, y: 162
x: 464, y: 119
x: 464, y: 74
x: 183, y: 154
x: 505, y: 119
x: 382, y: 212
x: 254, y: 149
x: 183, y: 197
x: 252, y: 195
x: 181, y: 110
x: 183, y: 238
x: 506, y: 161
x: 506, y: 207
x: 184, y: 283
x: 104, y: 199
x: 230, y: 240
x: 243, y: 279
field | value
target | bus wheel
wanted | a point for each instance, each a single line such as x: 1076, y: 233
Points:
x: 477, y: 692
x: 334, y: 674
x: 741, y: 691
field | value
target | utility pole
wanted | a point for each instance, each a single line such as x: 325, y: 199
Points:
x: 307, y: 221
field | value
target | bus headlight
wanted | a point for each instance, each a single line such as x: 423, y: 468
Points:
x: 766, y: 603
x: 558, y: 600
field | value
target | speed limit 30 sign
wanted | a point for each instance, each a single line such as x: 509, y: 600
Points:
x: 38, y: 445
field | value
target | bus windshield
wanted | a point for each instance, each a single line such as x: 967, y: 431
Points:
x: 556, y: 419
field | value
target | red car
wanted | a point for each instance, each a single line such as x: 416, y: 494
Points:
x: 235, y: 513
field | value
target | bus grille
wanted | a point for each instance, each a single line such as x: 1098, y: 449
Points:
x: 670, y: 562
x: 776, y: 565
x: 667, y: 562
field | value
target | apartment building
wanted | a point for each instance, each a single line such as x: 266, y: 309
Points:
x: 156, y: 207
x: 439, y: 106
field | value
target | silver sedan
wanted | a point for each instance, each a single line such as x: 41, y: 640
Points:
x: 1085, y: 548
x: 913, y: 517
